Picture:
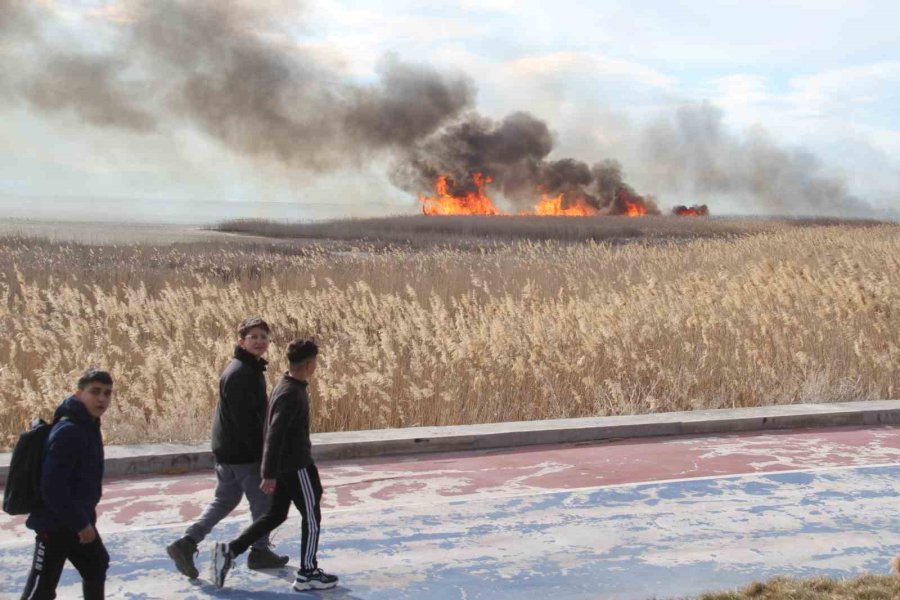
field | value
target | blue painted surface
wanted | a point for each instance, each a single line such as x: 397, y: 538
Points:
x: 629, y: 542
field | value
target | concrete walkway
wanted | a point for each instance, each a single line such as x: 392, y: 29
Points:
x: 633, y: 519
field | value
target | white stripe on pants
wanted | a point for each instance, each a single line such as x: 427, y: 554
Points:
x: 308, y: 560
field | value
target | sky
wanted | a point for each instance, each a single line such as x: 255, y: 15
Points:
x: 818, y: 80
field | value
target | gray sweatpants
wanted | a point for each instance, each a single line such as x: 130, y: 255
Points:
x: 232, y: 483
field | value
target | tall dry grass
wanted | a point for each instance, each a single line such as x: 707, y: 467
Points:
x: 525, y: 330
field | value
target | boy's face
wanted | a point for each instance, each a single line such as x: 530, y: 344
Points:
x: 256, y: 342
x: 96, y: 397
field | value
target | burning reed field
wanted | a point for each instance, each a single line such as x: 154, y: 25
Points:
x: 469, y: 323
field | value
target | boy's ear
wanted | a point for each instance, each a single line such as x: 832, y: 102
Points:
x: 78, y: 394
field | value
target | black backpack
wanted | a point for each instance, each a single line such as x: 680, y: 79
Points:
x: 22, y: 494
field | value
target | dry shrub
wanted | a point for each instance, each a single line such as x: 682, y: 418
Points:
x: 524, y: 330
x: 865, y: 587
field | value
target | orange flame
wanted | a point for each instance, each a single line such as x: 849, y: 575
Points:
x: 473, y: 203
x: 698, y: 210
x: 443, y: 202
x: 633, y: 209
x: 554, y: 207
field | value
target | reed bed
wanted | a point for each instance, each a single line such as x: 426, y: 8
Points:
x: 520, y: 330
x: 462, y: 230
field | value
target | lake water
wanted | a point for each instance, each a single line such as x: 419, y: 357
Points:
x: 184, y: 212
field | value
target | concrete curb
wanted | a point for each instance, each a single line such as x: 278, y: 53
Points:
x: 182, y: 458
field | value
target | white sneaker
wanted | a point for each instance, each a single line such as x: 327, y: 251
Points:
x: 222, y: 559
x: 314, y: 580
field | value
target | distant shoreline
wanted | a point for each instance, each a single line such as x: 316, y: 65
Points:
x: 7, y: 221
x: 108, y: 232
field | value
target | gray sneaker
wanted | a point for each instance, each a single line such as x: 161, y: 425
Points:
x: 182, y: 552
x: 265, y: 559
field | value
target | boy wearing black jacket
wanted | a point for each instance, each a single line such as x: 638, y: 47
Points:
x: 237, y: 439
x: 288, y: 472
x: 71, y: 486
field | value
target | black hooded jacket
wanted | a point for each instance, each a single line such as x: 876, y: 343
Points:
x: 71, y: 472
x: 237, y: 431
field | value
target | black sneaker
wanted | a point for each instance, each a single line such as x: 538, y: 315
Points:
x: 182, y: 551
x: 314, y: 580
x: 265, y: 559
x: 222, y: 560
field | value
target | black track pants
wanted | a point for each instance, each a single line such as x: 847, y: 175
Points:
x: 304, y: 489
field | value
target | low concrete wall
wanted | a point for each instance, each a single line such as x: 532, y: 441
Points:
x: 181, y: 458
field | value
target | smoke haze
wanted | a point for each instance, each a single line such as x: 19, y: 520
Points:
x: 691, y: 152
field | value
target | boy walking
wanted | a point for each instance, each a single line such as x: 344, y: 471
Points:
x: 71, y: 486
x: 288, y: 472
x: 237, y: 438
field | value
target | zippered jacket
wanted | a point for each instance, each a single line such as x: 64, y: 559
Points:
x: 237, y: 431
x: 71, y: 472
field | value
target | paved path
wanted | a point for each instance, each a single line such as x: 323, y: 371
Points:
x: 631, y: 519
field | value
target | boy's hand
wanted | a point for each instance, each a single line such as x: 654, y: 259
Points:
x: 267, y: 486
x: 87, y: 535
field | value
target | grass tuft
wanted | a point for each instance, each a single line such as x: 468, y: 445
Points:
x: 865, y: 587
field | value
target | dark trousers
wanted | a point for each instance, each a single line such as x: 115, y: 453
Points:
x: 304, y: 489
x: 51, y: 550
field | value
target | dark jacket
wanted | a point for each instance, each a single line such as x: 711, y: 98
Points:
x: 287, y: 447
x: 72, y: 471
x: 237, y: 431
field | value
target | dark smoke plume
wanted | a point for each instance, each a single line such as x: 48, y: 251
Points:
x: 477, y: 144
x: 691, y: 152
x: 513, y: 153
x: 16, y: 24
x: 206, y: 62
x: 15, y: 18
x: 92, y: 87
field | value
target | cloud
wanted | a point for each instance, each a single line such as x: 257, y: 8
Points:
x: 580, y: 64
x: 816, y: 96
x: 839, y: 90
x: 494, y: 6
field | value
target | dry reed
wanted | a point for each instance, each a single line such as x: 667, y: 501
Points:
x: 524, y: 330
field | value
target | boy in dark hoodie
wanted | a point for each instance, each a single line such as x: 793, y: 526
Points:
x: 288, y: 472
x: 71, y: 486
x: 237, y: 440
